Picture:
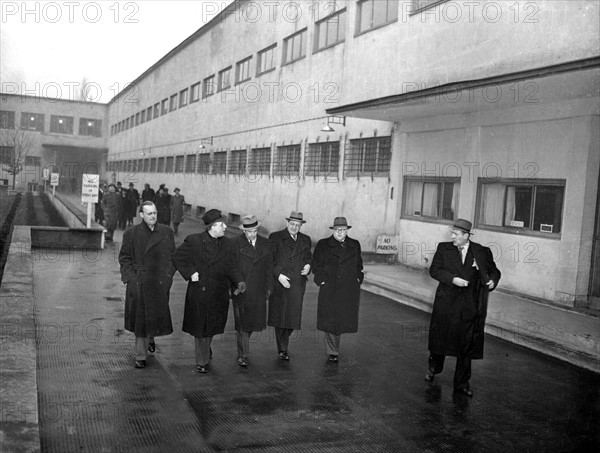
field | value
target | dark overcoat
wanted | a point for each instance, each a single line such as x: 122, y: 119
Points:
x: 256, y: 267
x: 338, y: 272
x: 285, y: 305
x: 146, y: 267
x: 458, y: 317
x: 207, y: 300
x: 111, y: 202
x: 176, y: 204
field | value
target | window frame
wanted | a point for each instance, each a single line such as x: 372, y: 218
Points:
x: 208, y: 82
x: 195, y: 88
x: 303, y: 34
x: 95, y: 130
x: 222, y: 82
x: 38, y: 121
x: 55, y: 120
x: 349, y: 158
x: 238, y: 65
x: 173, y: 102
x: 312, y: 161
x: 326, y: 20
x: 219, y: 163
x: 7, y: 119
x: 255, y: 168
x: 259, y: 60
x: 183, y: 98
x: 359, y: 12
x: 237, y: 167
x: 456, y: 180
x: 277, y: 164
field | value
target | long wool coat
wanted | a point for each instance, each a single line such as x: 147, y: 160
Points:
x: 256, y: 267
x: 458, y: 317
x: 146, y: 267
x: 111, y: 203
x: 338, y: 272
x: 207, y: 300
x: 285, y: 305
x: 176, y: 203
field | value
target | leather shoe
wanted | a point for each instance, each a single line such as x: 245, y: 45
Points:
x: 465, y: 391
x: 429, y: 376
x: 284, y: 356
x: 139, y: 363
x: 333, y: 358
x: 152, y: 347
x: 202, y: 369
x: 242, y: 361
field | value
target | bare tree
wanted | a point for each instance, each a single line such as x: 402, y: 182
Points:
x: 15, y: 145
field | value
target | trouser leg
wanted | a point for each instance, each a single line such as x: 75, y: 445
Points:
x: 332, y: 343
x: 141, y: 348
x: 436, y: 363
x: 462, y: 372
x: 243, y: 343
x: 282, y: 336
x: 202, y: 348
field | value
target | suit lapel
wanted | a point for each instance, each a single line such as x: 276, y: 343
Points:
x: 155, y: 238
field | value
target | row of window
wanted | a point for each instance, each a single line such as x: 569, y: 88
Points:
x: 329, y: 32
x: 58, y: 124
x: 370, y: 156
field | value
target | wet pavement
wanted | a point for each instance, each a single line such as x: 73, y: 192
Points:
x: 91, y: 399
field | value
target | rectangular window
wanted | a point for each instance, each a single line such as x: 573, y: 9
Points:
x: 153, y: 165
x: 32, y: 162
x: 516, y: 206
x: 7, y: 154
x: 195, y: 92
x: 287, y: 161
x: 368, y: 156
x: 179, y: 164
x: 7, y: 119
x: 322, y: 159
x: 242, y: 70
x: 204, y: 163
x: 331, y: 30
x: 146, y: 166
x: 183, y: 98
x: 435, y: 198
x: 294, y: 47
x: 375, y: 13
x: 224, y: 79
x: 137, y: 119
x: 160, y: 167
x: 266, y: 60
x: 90, y: 128
x: 164, y: 107
x: 32, y: 122
x: 156, y: 110
x: 260, y: 161
x: 169, y: 164
x: 190, y: 163
x: 220, y: 162
x: 208, y: 87
x: 61, y: 124
x: 173, y: 103
x: 143, y: 116
x: 237, y: 162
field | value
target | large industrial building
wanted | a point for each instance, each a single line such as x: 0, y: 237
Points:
x: 400, y: 115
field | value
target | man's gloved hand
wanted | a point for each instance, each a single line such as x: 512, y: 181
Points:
x: 285, y: 281
x: 241, y: 288
x: 195, y: 277
x: 305, y: 270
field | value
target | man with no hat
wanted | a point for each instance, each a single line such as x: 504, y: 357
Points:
x: 467, y: 274
x: 147, y: 269
x: 338, y: 272
x: 207, y: 261
x: 293, y: 260
x: 254, y: 257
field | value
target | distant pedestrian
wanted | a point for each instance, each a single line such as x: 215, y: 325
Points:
x: 122, y: 216
x: 98, y: 211
x: 467, y: 273
x: 162, y: 202
x: 177, y: 204
x: 148, y: 193
x: 147, y: 269
x: 338, y: 271
x: 206, y: 260
x: 291, y: 268
x: 254, y: 258
x: 111, y: 202
x: 133, y: 201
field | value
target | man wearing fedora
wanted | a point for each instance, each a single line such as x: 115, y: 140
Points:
x: 254, y: 258
x: 338, y: 271
x: 206, y: 260
x: 467, y: 273
x: 292, y: 265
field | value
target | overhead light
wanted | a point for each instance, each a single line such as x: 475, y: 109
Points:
x: 327, y: 128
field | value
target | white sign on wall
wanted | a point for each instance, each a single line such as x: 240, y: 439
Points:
x: 387, y: 245
x: 89, y: 188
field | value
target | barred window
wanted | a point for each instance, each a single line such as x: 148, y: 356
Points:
x: 220, y: 162
x: 32, y: 122
x: 368, y: 156
x: 169, y: 165
x: 260, y: 161
x: 179, y: 164
x: 204, y: 163
x: 287, y: 161
x: 237, y: 162
x: 331, y: 30
x: 190, y: 163
x: 322, y: 159
x: 146, y: 166
x: 431, y: 197
x: 61, y: 124
x: 160, y: 165
x: 153, y: 165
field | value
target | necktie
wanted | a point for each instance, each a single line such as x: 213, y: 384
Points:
x: 462, y: 255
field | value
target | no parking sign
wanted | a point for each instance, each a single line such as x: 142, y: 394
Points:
x: 89, y: 188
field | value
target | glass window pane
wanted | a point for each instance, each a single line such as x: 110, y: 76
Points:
x: 518, y: 206
x: 548, y: 208
x: 413, y: 196
x: 492, y: 203
x: 431, y: 195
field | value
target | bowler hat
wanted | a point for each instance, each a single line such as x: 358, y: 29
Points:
x: 249, y: 222
x: 340, y: 222
x: 464, y: 225
x: 297, y: 216
x: 212, y: 216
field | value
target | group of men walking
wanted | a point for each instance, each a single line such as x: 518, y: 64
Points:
x: 266, y: 280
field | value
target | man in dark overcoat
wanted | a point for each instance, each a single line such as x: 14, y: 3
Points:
x: 147, y: 269
x: 254, y: 257
x: 148, y: 193
x: 163, y: 204
x: 206, y: 260
x: 292, y: 265
x: 338, y: 271
x: 467, y: 273
x: 111, y: 202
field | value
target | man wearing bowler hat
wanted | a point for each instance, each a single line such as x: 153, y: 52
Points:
x: 206, y: 260
x: 338, y: 271
x: 291, y: 268
x: 254, y: 257
x: 467, y: 273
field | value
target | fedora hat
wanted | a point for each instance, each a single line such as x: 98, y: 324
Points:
x: 463, y: 224
x: 340, y: 222
x: 297, y: 216
x: 249, y: 222
x: 212, y: 216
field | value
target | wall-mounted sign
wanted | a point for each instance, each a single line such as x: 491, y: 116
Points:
x: 387, y: 244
